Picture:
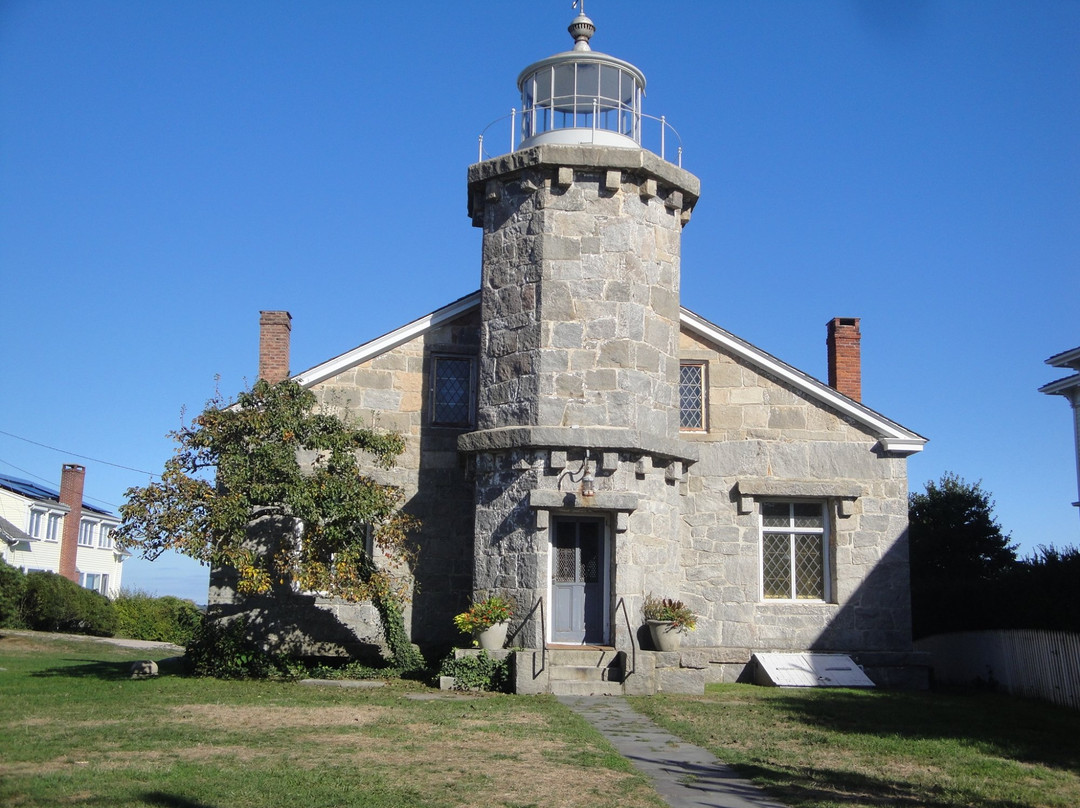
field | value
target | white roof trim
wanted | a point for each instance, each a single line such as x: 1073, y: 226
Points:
x: 386, y: 342
x: 894, y: 438
x: 1062, y: 386
x: 1066, y: 359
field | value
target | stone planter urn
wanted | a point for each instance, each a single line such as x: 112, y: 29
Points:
x: 665, y: 636
x: 492, y: 638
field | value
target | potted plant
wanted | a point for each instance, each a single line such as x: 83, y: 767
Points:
x: 487, y: 621
x: 667, y: 620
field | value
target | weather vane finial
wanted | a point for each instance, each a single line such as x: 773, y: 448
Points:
x: 582, y: 28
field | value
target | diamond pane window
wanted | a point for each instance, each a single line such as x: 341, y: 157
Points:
x: 793, y: 551
x: 692, y: 395
x: 809, y: 572
x: 452, y: 391
x: 776, y: 565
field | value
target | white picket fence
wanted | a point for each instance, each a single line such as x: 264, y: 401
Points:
x: 1037, y: 664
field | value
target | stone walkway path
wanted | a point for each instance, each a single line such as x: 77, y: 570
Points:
x: 686, y: 776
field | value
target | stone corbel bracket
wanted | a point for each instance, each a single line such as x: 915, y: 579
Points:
x: 843, y: 493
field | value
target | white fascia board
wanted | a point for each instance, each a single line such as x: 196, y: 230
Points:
x: 386, y: 342
x: 894, y: 438
x: 1066, y: 359
x: 1062, y: 386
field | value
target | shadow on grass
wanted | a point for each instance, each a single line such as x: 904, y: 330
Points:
x: 824, y: 786
x: 1021, y: 729
x: 106, y: 671
x: 173, y: 801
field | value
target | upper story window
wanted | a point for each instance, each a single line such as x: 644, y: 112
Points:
x: 54, y: 527
x: 453, y: 385
x: 33, y: 526
x: 692, y: 396
x: 86, y: 533
x: 794, y: 551
x: 104, y: 541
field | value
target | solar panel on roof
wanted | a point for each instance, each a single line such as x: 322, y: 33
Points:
x: 40, y: 493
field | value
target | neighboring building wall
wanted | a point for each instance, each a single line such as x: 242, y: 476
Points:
x: 44, y: 554
x: 38, y: 555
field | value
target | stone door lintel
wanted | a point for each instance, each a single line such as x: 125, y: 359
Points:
x: 621, y: 504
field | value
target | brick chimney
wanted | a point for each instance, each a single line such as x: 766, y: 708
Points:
x: 845, y: 359
x: 274, y: 328
x: 71, y: 494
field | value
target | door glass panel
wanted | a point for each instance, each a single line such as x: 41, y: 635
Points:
x: 565, y: 554
x: 590, y: 552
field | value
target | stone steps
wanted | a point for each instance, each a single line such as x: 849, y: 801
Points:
x: 585, y: 671
x: 562, y: 687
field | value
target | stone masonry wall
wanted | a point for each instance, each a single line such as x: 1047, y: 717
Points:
x: 392, y: 391
x: 580, y: 295
x: 760, y: 430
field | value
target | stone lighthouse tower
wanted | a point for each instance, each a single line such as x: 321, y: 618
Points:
x: 578, y: 465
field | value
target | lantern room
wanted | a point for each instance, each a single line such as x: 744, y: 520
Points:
x: 581, y: 96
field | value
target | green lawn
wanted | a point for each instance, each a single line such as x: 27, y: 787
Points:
x: 75, y: 730
x: 821, y: 747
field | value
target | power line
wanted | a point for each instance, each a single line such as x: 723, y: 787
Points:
x: 52, y: 482
x: 75, y: 454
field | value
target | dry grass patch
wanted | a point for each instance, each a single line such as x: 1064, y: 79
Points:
x: 240, y: 717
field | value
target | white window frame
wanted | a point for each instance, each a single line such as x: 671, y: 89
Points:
x: 703, y: 414
x: 104, y: 541
x: 34, y: 522
x: 54, y: 527
x: 86, y: 533
x: 100, y: 581
x: 823, y: 532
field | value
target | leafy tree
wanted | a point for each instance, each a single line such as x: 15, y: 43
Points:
x: 959, y: 557
x: 1042, y: 590
x: 235, y: 459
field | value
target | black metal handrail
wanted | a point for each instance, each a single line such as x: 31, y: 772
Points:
x: 543, y: 634
x: 630, y: 632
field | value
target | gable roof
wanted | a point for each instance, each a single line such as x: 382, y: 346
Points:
x: 893, y: 437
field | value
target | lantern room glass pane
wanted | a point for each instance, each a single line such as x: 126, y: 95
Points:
x: 588, y: 81
x: 542, y: 81
x: 609, y: 82
x: 564, y: 87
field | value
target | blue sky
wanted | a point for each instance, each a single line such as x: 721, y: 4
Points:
x: 168, y: 169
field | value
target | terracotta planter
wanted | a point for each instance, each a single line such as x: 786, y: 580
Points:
x: 665, y: 636
x: 492, y: 638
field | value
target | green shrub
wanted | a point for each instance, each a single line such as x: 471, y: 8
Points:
x: 12, y: 588
x: 53, y: 603
x: 478, y: 672
x: 166, y: 619
x: 224, y: 650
